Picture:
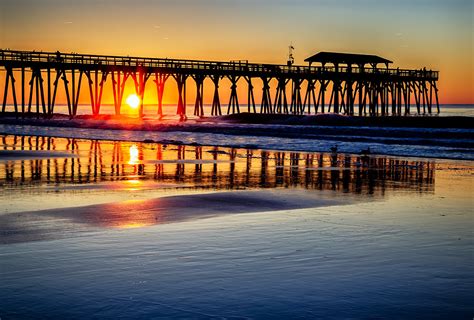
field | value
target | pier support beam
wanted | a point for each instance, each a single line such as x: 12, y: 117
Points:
x: 250, y: 96
x: 139, y: 79
x: 363, y: 92
x: 296, y: 101
x: 234, y: 99
x: 181, y: 82
x: 416, y: 93
x: 9, y: 78
x: 36, y: 85
x: 350, y: 97
x: 75, y: 91
x: 281, y: 102
x: 322, y: 94
x: 310, y: 96
x: 118, y: 87
x: 266, y: 105
x: 198, y: 106
x: 433, y: 83
x: 160, y: 81
x: 336, y: 89
x: 216, y: 103
x: 96, y: 89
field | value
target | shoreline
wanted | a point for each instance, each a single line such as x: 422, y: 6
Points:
x: 225, y: 131
x: 238, y: 146
x: 411, y: 121
x: 323, y: 120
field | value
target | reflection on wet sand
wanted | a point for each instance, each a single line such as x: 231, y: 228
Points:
x: 265, y: 180
x: 209, y: 167
x: 58, y: 223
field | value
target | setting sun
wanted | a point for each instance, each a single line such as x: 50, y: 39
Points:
x: 133, y: 101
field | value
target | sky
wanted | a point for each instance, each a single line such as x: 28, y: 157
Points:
x: 434, y: 34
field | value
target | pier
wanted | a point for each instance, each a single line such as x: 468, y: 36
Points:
x: 330, y: 83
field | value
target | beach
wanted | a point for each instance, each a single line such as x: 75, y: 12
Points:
x: 173, y: 230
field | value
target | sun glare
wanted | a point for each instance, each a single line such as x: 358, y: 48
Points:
x: 133, y: 101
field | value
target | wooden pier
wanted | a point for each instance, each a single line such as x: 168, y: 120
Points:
x: 337, y: 84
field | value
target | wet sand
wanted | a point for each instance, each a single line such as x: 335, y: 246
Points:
x: 144, y: 230
x: 13, y: 155
x: 409, y: 256
x: 70, y: 222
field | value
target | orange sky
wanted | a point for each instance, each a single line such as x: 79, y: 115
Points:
x: 419, y: 33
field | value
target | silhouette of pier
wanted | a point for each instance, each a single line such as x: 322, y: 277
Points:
x: 340, y: 82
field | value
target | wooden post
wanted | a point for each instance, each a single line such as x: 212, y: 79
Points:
x: 322, y: 94
x: 96, y: 93
x: 118, y: 88
x: 431, y: 98
x: 405, y: 97
x: 48, y: 71
x: 41, y: 87
x: 349, y: 98
x: 55, y: 84
x: 140, y: 78
x: 424, y: 92
x: 233, y: 100
x: 9, y: 78
x: 181, y: 82
x: 250, y: 96
x: 36, y: 84
x: 75, y: 96
x: 436, y: 96
x: 343, y: 106
x: 348, y: 91
x: 216, y: 104
x: 416, y: 92
x: 22, y: 90
x: 331, y: 99
x: 336, y: 87
x: 310, y: 96
x: 296, y: 101
x: 160, y: 81
x: 198, y: 106
x: 281, y: 102
x: 266, y: 105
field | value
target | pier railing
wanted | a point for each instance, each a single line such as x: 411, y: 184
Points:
x: 97, y: 61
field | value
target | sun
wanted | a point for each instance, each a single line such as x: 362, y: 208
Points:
x: 133, y: 101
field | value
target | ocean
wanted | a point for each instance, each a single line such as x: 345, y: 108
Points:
x: 169, y: 110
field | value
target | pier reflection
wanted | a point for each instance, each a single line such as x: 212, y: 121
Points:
x: 135, y: 163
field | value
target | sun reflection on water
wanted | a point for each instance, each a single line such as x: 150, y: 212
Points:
x: 133, y: 184
x: 132, y: 225
x: 133, y: 150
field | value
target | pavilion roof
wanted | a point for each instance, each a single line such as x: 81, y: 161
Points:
x: 346, y: 58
